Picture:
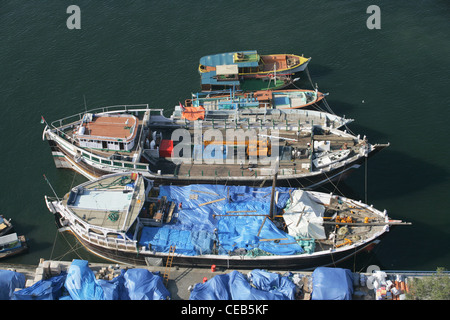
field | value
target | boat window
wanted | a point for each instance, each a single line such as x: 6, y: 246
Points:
x: 114, y: 235
x: 96, y: 231
x: 77, y: 223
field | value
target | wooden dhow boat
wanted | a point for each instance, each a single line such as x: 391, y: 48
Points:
x: 12, y: 244
x: 129, y: 219
x: 248, y: 70
x: 233, y: 149
x: 263, y: 99
x: 125, y: 138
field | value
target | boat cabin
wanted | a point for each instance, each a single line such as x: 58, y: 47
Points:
x: 9, y: 242
x: 107, y: 132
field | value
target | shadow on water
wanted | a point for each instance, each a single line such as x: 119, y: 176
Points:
x: 390, y: 174
x: 407, y: 248
x: 341, y: 108
x: 318, y: 71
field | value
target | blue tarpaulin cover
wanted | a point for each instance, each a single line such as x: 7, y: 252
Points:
x: 144, y: 285
x: 132, y: 284
x: 274, y: 282
x: 262, y: 285
x: 332, y: 284
x: 50, y: 289
x: 81, y: 283
x: 9, y: 281
x: 114, y: 289
x: 232, y: 216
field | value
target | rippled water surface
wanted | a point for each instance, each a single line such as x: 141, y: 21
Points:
x: 393, y: 81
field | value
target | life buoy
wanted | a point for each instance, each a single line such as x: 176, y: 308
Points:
x: 342, y: 231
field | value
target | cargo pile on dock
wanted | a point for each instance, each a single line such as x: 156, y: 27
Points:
x: 59, y: 280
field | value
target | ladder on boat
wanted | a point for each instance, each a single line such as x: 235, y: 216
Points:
x: 168, y: 264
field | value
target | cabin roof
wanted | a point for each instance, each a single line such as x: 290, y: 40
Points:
x: 110, y: 128
x: 8, y: 238
x: 251, y: 60
x: 111, y: 202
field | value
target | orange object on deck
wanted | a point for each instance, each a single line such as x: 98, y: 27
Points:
x: 193, y: 113
x: 213, y: 268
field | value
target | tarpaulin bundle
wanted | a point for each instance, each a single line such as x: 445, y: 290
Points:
x: 81, y: 283
x: 132, y: 284
x: 253, y: 231
x: 262, y: 285
x: 9, y: 281
x: 332, y: 284
x: 49, y: 289
x: 234, y: 217
x: 144, y: 285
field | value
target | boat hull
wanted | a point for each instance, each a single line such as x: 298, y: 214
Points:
x: 297, y: 262
x: 313, y: 180
x: 16, y: 251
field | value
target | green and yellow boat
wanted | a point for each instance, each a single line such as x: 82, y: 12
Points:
x: 249, y: 71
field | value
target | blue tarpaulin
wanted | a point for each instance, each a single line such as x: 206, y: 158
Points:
x: 233, y: 216
x: 50, y: 289
x: 81, y: 283
x: 279, y: 285
x: 114, y: 289
x: 144, y: 285
x: 262, y: 285
x: 332, y: 284
x: 132, y: 284
x: 9, y: 281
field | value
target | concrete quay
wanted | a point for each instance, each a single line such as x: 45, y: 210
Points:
x: 181, y: 279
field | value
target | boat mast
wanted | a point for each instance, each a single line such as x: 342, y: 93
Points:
x: 272, y: 196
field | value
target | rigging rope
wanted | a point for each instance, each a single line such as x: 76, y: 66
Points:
x: 72, y: 248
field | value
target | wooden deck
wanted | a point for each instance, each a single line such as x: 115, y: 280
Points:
x: 111, y: 128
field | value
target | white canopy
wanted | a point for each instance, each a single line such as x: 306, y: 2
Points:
x: 304, y: 216
x: 227, y: 69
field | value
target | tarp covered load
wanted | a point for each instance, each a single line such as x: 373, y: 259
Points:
x: 261, y: 285
x: 304, y: 216
x: 144, y: 285
x: 81, y: 283
x: 332, y: 284
x: 9, y: 281
x: 132, y: 284
x: 231, y: 217
x: 50, y: 289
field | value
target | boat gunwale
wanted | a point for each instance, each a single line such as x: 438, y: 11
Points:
x: 335, y: 250
x: 262, y: 72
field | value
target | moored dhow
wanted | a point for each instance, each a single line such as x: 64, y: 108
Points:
x: 248, y: 70
x: 263, y: 99
x: 128, y: 218
x: 229, y: 147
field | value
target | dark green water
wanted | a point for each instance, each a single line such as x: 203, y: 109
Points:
x: 393, y: 81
